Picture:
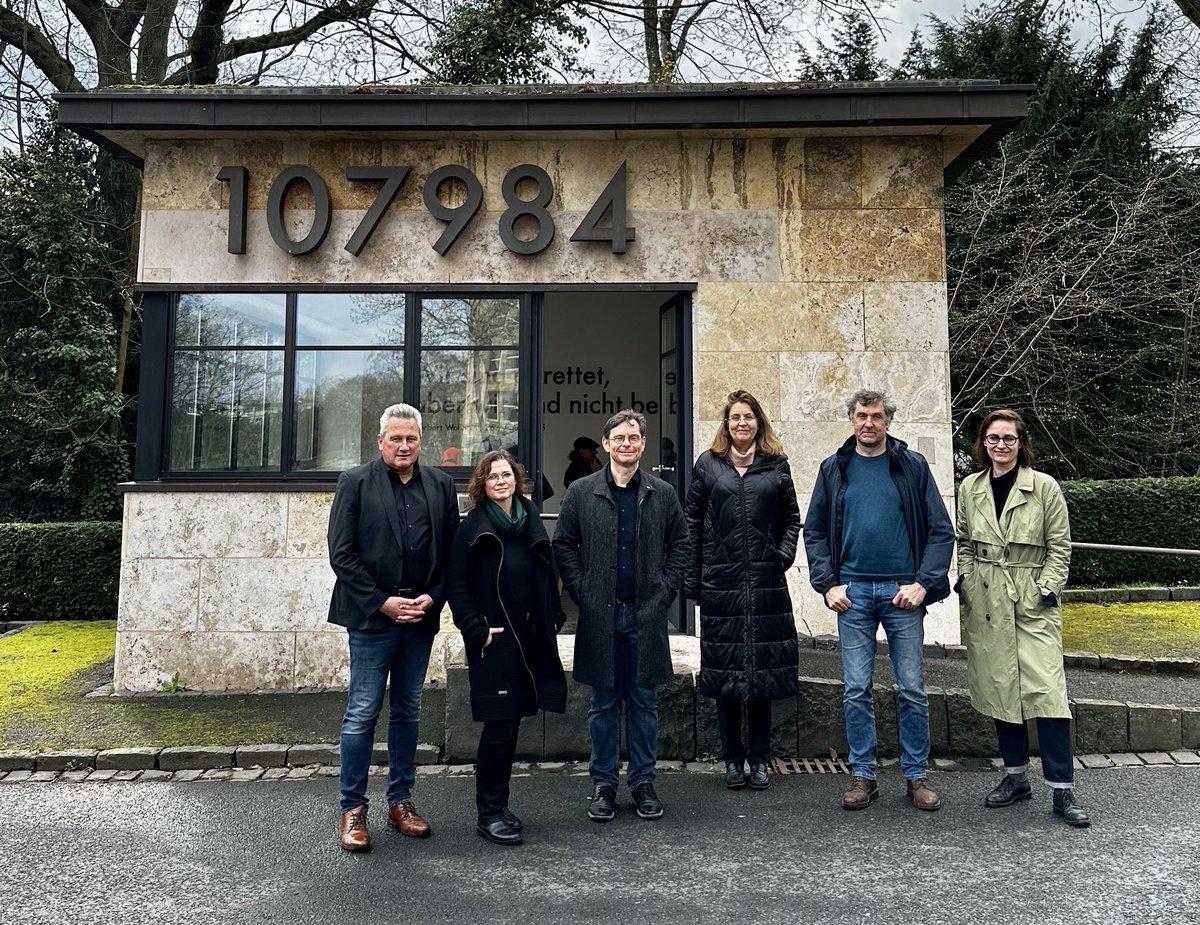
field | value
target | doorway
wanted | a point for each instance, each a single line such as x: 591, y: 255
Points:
x: 599, y: 353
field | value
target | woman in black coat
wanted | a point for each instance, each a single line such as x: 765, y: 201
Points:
x: 745, y: 523
x: 504, y: 595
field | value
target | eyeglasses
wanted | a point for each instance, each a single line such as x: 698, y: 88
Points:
x: 501, y: 477
x: 996, y: 440
x: 738, y: 418
x: 619, y: 439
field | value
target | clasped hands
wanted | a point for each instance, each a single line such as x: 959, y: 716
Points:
x: 406, y: 609
x: 908, y: 597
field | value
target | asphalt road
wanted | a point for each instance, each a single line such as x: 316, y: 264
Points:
x: 223, y: 852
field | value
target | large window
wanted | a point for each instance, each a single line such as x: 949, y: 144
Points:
x: 294, y: 384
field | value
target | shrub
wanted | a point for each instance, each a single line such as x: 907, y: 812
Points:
x: 1134, y: 512
x: 59, y: 570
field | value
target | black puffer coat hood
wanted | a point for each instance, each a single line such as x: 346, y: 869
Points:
x: 744, y: 530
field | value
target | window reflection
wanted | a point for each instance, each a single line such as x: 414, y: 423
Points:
x: 349, y: 319
x: 469, y: 403
x: 230, y: 320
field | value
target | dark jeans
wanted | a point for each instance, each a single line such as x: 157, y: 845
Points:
x: 1054, y: 742
x: 641, y: 712
x: 493, y: 767
x: 758, y: 730
x: 401, y: 652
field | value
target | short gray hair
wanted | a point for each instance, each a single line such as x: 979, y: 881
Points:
x: 871, y: 397
x: 401, y: 410
x: 624, y: 417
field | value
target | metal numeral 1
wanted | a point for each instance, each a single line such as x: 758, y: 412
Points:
x: 237, y: 178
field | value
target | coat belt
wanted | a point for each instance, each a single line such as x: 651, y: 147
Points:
x: 1004, y: 565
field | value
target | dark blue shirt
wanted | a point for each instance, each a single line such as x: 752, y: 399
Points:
x: 416, y: 527
x: 626, y: 501
x: 875, y: 545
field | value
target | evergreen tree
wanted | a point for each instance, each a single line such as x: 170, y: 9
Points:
x: 59, y: 456
x: 852, y: 56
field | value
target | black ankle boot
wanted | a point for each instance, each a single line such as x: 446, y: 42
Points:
x: 1012, y: 789
x: 1073, y: 814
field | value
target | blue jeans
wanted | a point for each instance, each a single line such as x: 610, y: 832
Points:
x: 870, y: 606
x: 401, y: 651
x: 641, y: 712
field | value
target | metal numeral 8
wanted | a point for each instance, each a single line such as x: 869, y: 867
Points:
x: 535, y: 208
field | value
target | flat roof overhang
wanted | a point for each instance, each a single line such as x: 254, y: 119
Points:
x: 971, y: 115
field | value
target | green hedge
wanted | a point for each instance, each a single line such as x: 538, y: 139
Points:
x: 59, y: 571
x: 1134, y: 512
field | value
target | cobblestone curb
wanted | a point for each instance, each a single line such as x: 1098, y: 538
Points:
x: 1184, y: 758
x: 1128, y: 595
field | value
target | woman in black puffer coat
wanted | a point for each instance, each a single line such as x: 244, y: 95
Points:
x: 745, y: 524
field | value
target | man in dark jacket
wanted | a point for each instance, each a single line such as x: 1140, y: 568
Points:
x: 621, y: 547
x: 879, y: 542
x: 390, y: 532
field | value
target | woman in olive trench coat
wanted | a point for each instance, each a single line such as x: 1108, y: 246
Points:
x: 1014, y: 549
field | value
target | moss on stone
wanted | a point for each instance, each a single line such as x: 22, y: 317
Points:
x: 36, y: 664
x: 1155, y: 629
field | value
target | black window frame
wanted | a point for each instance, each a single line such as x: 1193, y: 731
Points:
x: 158, y: 370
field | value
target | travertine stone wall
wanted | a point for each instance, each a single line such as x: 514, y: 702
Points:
x: 819, y: 265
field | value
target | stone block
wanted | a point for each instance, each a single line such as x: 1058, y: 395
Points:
x: 676, y: 719
x: 207, y: 661
x: 785, y: 716
x: 1112, y: 595
x: 946, y: 764
x: 217, y: 774
x: 264, y: 595
x: 820, y: 727
x: 187, y: 775
x: 427, y: 754
x: 433, y: 714
x: 1155, y: 758
x: 17, y: 776
x: 322, y: 659
x: 1190, y: 723
x: 832, y: 173
x: 307, y: 523
x: 246, y: 774
x: 939, y: 722
x: 1125, y: 760
x: 970, y: 732
x: 869, y: 245
x: 1101, y: 726
x: 45, y: 777
x: 127, y: 759
x: 462, y: 735
x: 934, y: 650
x: 708, y: 736
x: 159, y: 594
x: 1110, y: 662
x: 902, y: 172
x: 721, y: 372
x: 126, y: 776
x: 314, y: 753
x: 1149, y: 594
x: 958, y: 652
x: 887, y: 722
x: 906, y: 316
x: 826, y: 642
x: 201, y: 525
x: 71, y: 760
x: 1079, y: 596
x: 1185, y: 757
x: 182, y: 175
x: 155, y: 775
x: 1154, y: 727
x: 815, y: 384
x: 566, y: 734
x: 770, y: 317
x: 190, y: 758
x: 18, y: 761
x: 1081, y: 659
x: 1185, y: 594
x: 274, y: 773
x: 1095, y: 761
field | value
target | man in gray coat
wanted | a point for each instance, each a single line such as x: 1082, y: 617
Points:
x: 621, y: 547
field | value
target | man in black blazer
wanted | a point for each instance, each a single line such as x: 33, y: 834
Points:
x: 390, y: 531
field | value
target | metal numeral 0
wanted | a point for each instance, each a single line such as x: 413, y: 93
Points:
x: 321, y: 215
x: 237, y: 178
x: 459, y: 217
x: 535, y: 207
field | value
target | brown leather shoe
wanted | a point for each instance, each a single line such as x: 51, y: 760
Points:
x: 923, y: 796
x: 862, y: 793
x: 354, y: 836
x: 403, y: 816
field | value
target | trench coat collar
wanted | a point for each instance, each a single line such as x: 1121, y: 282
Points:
x: 1019, y: 495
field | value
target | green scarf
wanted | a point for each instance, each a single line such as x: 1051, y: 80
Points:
x: 511, y: 526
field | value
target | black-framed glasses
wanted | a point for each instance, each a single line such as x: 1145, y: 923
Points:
x: 997, y: 439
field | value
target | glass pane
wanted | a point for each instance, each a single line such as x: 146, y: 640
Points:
x: 340, y: 395
x: 469, y: 322
x: 230, y: 320
x: 349, y: 319
x: 226, y: 410
x: 469, y: 404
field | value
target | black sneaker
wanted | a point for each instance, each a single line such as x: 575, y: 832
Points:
x: 604, y: 803
x: 647, y: 802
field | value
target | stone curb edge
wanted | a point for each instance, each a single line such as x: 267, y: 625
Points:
x: 1181, y: 758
